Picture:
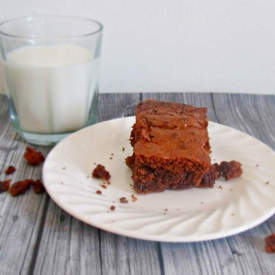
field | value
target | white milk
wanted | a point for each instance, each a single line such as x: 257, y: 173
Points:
x: 52, y: 86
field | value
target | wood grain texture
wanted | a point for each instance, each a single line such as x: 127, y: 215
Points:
x: 20, y: 217
x: 118, y: 105
x: 254, y: 115
x: 37, y: 237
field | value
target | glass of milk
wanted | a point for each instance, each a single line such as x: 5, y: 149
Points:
x: 51, y: 71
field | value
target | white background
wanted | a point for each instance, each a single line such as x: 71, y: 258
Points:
x: 176, y: 45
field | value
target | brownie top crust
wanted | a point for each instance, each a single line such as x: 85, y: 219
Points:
x: 171, y: 115
x: 171, y: 131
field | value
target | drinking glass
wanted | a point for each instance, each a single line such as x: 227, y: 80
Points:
x: 51, y: 73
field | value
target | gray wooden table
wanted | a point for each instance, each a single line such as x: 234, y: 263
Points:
x: 37, y: 237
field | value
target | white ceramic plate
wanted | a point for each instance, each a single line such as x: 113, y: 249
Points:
x: 172, y: 216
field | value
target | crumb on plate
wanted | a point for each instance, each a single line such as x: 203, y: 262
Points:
x: 101, y: 173
x: 123, y: 200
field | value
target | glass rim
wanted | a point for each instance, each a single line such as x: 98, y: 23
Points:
x: 80, y: 18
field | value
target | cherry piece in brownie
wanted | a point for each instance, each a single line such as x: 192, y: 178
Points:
x: 171, y: 147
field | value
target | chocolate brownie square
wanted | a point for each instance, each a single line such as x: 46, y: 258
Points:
x: 170, y: 147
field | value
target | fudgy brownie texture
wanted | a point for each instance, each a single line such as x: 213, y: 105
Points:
x: 210, y: 177
x: 230, y: 169
x: 171, y: 147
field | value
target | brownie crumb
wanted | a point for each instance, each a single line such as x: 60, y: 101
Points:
x: 267, y: 182
x: 101, y: 173
x: 98, y: 192
x: 123, y: 200
x: 4, y: 185
x: 103, y: 186
x: 20, y: 187
x: 112, y: 208
x: 10, y: 170
x: 230, y: 169
x: 33, y: 157
x: 270, y: 243
x: 220, y: 187
x: 123, y: 149
x: 38, y: 187
x: 133, y: 197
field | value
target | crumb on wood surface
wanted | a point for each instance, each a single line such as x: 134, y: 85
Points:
x: 20, y: 187
x: 33, y: 157
x: 270, y: 243
x: 10, y: 170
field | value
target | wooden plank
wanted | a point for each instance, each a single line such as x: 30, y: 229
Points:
x: 71, y: 247
x: 117, y: 105
x: 254, y: 115
x: 20, y: 217
x: 122, y: 255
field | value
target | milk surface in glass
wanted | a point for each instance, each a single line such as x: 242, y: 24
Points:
x: 51, y: 86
